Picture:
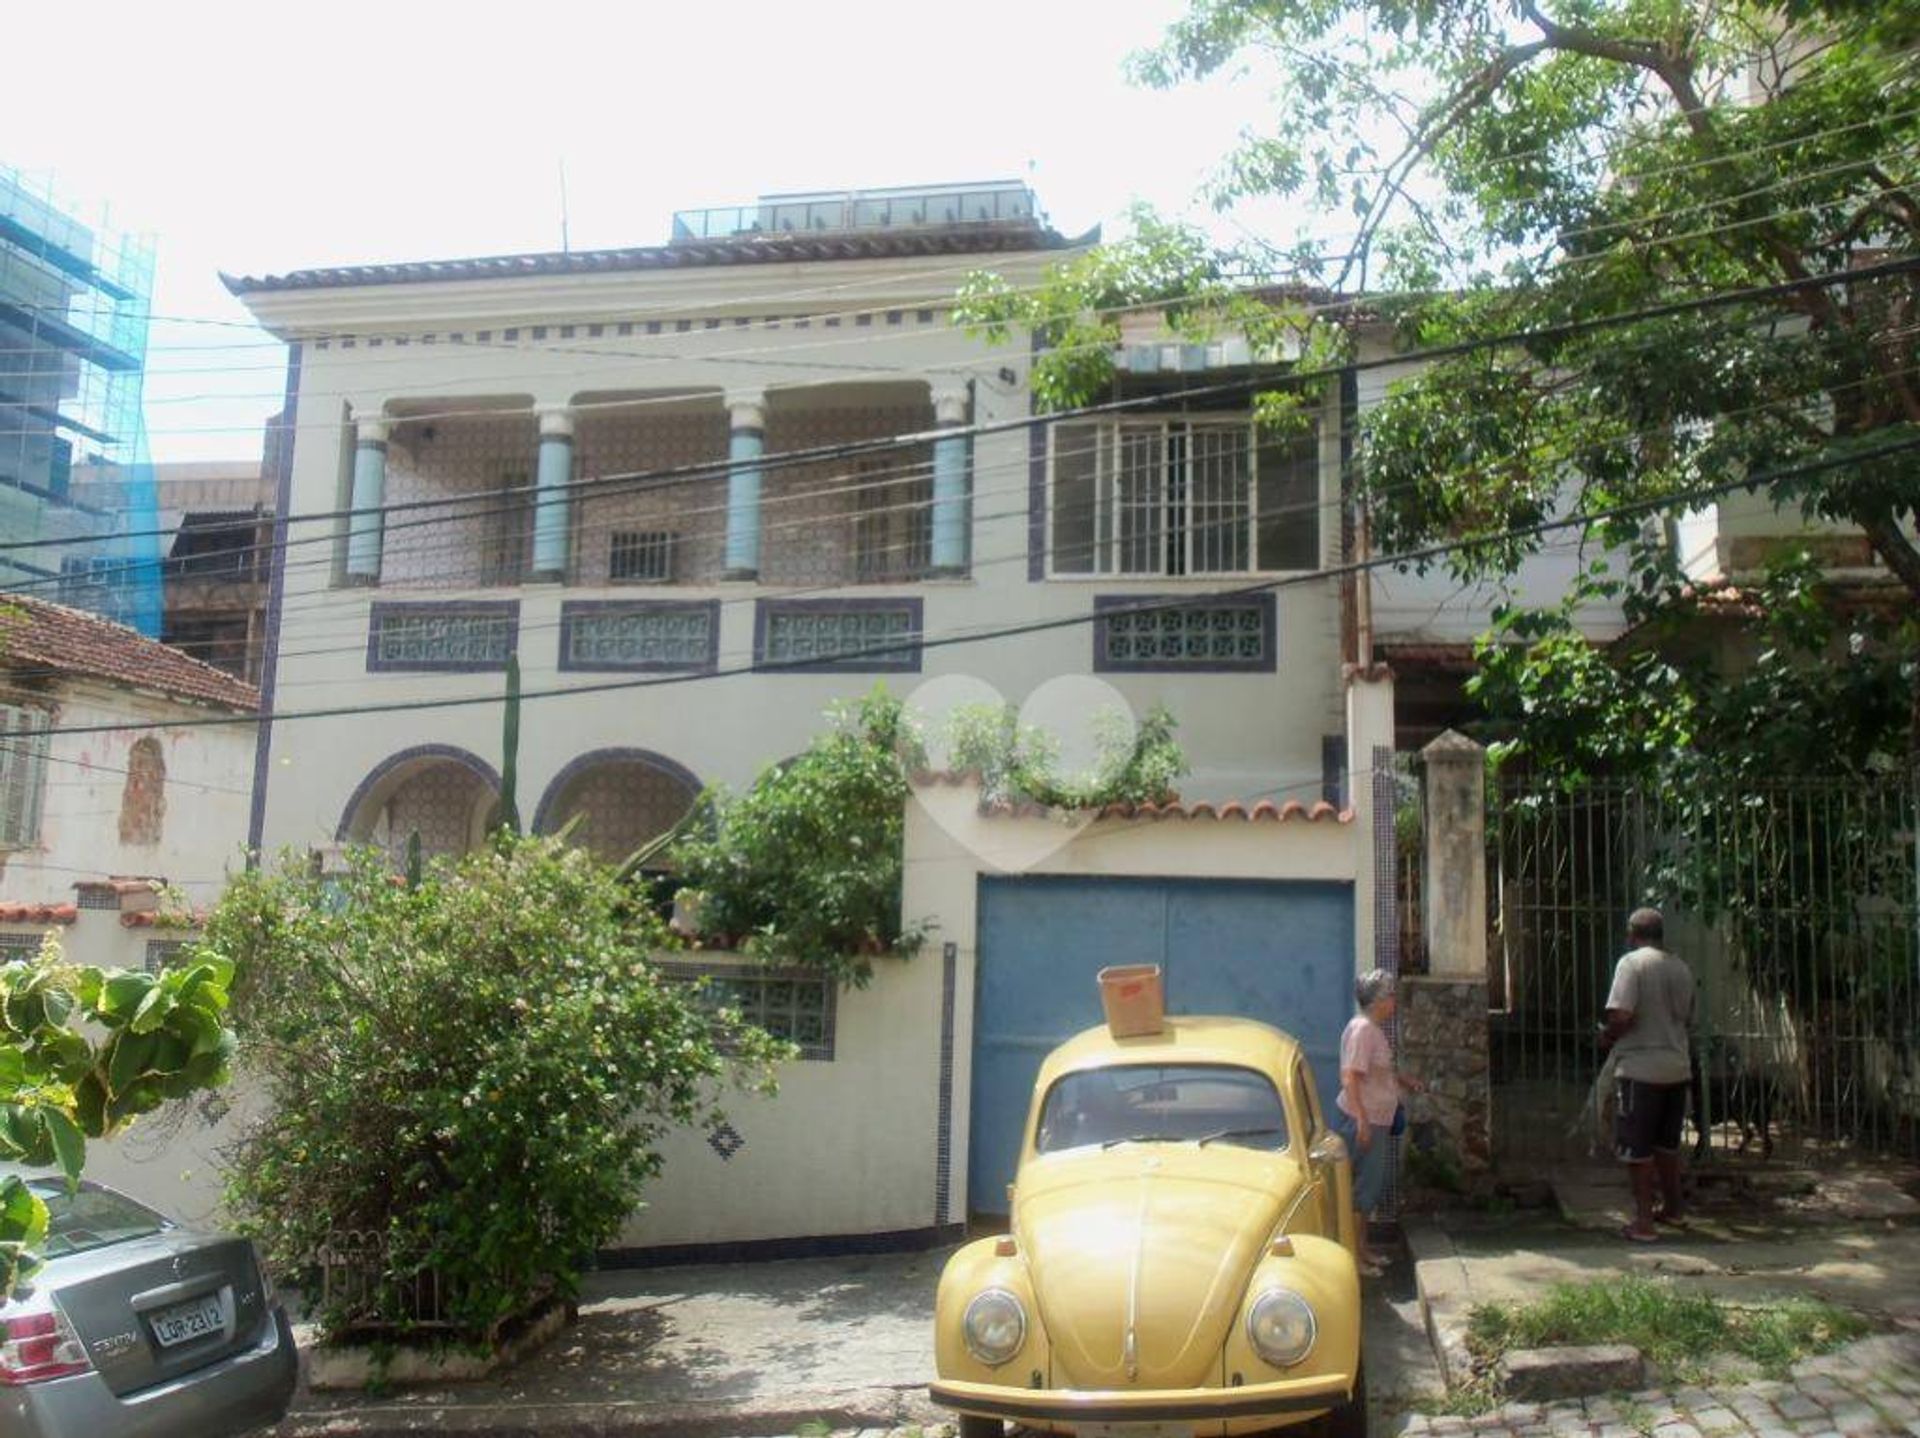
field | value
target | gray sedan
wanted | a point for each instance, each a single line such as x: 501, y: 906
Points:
x: 137, y: 1328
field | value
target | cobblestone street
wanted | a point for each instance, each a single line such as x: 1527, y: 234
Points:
x: 1868, y: 1388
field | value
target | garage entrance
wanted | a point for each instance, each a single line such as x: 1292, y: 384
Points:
x: 1276, y: 950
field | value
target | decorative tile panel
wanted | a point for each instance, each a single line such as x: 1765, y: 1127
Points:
x: 797, y: 1005
x: 456, y: 638
x: 861, y: 635
x: 1158, y: 633
x: 640, y: 635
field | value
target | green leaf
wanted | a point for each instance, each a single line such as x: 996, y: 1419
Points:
x: 132, y: 1056
x: 122, y: 995
x: 69, y: 1146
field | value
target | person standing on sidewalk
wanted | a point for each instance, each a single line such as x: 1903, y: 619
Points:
x: 1368, y: 1099
x: 1649, y: 1015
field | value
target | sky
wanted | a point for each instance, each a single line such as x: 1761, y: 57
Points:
x: 259, y: 138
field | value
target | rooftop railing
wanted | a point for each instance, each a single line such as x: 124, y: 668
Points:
x: 926, y: 209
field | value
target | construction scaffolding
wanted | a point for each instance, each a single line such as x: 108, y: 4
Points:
x: 75, y: 476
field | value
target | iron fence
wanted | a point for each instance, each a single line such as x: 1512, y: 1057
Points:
x: 1797, y: 905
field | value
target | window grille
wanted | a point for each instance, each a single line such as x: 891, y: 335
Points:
x: 640, y: 556
x: 20, y: 946
x: 797, y: 1005
x: 1181, y: 497
x: 164, y: 953
x: 461, y: 638
x: 23, y: 762
x: 1205, y: 635
x: 836, y: 634
x: 661, y: 635
x: 893, y: 530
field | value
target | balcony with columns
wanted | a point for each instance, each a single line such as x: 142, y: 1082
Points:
x: 663, y: 487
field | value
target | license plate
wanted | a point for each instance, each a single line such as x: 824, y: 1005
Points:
x: 185, y: 1322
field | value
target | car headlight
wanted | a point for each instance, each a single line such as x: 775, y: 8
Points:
x: 1280, y: 1327
x: 995, y: 1326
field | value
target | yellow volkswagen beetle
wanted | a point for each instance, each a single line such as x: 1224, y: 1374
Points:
x: 1180, y: 1258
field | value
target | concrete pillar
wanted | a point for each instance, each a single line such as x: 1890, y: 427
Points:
x: 949, y: 548
x: 746, y: 442
x: 1455, y: 923
x: 1443, y: 1014
x: 552, y: 497
x: 364, y: 527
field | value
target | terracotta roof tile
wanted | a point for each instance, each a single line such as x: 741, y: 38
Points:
x: 1262, y: 811
x: 38, y: 913
x: 35, y: 633
x: 699, y: 254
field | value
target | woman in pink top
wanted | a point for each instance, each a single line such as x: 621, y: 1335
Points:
x: 1369, y: 1094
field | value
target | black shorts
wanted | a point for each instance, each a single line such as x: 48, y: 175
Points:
x: 1647, y: 1118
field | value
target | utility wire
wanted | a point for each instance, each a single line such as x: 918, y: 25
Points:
x: 1148, y: 605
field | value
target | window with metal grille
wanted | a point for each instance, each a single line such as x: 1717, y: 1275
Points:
x: 848, y: 634
x: 1181, y: 497
x: 164, y: 953
x: 793, y: 1004
x: 20, y: 946
x: 892, y: 528
x: 640, y: 556
x: 640, y: 634
x: 23, y: 763
x: 465, y: 638
x: 1147, y: 633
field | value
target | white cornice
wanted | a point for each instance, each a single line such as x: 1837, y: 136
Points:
x: 811, y: 287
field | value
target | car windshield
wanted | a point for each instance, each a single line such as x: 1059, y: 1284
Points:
x: 92, y: 1218
x: 1162, y: 1103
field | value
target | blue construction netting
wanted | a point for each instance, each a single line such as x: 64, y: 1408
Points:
x: 75, y: 302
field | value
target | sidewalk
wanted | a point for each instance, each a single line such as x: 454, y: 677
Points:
x: 734, y: 1349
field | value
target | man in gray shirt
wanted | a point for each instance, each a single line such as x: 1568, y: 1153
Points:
x: 1649, y: 1014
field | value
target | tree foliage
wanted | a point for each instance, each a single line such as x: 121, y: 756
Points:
x: 469, y: 1076
x: 1542, y: 190
x: 804, y: 866
x: 83, y: 1053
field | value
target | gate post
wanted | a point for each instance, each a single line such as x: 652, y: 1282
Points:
x: 1443, y: 1016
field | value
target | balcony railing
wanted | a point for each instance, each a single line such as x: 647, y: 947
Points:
x: 857, y: 210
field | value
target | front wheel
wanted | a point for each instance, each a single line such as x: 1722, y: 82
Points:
x: 1349, y: 1420
x: 972, y: 1425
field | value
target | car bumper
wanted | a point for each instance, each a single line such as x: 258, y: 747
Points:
x: 1071, y: 1407
x: 239, y: 1394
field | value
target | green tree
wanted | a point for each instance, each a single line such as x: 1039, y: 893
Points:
x: 469, y: 1076
x: 148, y: 1038
x: 1540, y: 168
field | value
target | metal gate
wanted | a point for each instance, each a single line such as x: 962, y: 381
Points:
x: 1280, y: 951
x: 1796, y: 903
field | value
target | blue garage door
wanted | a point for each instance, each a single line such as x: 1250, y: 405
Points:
x: 1279, y: 951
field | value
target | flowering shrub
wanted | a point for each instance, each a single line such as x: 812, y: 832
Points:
x: 470, y: 1074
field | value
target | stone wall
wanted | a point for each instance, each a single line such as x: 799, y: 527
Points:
x: 1443, y: 1041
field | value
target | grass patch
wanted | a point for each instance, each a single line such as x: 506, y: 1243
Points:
x: 1678, y: 1332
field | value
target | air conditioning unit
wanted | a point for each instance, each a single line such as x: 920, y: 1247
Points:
x: 640, y: 556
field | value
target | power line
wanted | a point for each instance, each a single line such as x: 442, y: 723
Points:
x: 1146, y: 606
x: 713, y: 469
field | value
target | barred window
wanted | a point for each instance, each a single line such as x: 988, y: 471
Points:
x: 164, y: 953
x: 839, y: 634
x: 462, y: 638
x: 24, y: 743
x: 1179, y: 497
x: 1149, y: 632
x: 797, y: 1005
x: 20, y: 946
x: 640, y: 634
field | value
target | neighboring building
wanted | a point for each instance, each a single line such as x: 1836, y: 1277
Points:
x: 216, y: 523
x: 671, y: 482
x: 74, y: 302
x: 112, y: 782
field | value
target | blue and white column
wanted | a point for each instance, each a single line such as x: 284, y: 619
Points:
x: 552, y: 497
x: 366, y: 524
x: 949, y: 538
x: 746, y: 442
